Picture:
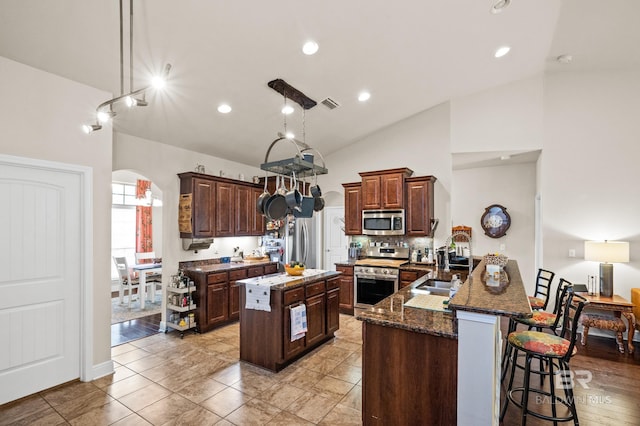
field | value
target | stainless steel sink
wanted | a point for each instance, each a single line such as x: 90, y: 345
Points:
x: 433, y: 286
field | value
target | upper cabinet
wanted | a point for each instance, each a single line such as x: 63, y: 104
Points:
x: 384, y: 189
x: 218, y: 207
x: 419, y: 206
x: 352, y: 208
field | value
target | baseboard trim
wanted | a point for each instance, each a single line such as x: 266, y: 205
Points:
x: 100, y: 370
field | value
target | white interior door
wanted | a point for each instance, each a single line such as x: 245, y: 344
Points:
x: 335, y: 246
x: 40, y: 284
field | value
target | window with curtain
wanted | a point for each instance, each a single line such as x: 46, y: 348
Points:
x: 123, y: 224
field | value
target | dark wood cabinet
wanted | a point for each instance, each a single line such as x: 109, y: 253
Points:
x: 220, y: 207
x: 333, y: 305
x: 419, y: 206
x: 316, y: 319
x: 384, y: 189
x: 352, y: 208
x: 203, y: 194
x: 217, y: 303
x: 407, y: 277
x: 345, y: 282
x: 292, y: 298
x: 225, y: 209
x: 234, y: 292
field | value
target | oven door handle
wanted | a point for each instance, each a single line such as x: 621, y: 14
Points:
x: 376, y: 277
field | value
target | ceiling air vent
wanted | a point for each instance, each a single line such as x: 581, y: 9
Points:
x: 330, y: 103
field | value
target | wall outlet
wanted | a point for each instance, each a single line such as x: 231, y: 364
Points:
x: 572, y: 253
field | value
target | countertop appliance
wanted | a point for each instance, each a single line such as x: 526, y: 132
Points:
x: 383, y: 222
x: 377, y: 277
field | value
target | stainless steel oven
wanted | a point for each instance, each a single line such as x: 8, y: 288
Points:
x: 383, y: 222
x: 372, y: 284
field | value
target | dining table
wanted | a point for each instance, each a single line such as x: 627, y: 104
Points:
x: 143, y: 269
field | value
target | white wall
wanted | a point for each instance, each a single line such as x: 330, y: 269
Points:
x: 41, y: 117
x: 512, y: 186
x: 589, y: 171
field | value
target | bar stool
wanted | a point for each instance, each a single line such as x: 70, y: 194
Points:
x: 556, y: 351
x: 540, y: 297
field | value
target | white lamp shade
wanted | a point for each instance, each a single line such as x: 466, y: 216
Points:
x: 607, y: 251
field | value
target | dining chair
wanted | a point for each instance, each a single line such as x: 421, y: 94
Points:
x: 154, y: 280
x: 127, y: 281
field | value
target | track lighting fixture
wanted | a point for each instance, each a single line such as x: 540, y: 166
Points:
x: 104, y: 111
x: 88, y: 128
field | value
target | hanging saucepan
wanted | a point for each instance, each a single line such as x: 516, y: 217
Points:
x: 318, y: 203
x: 293, y: 196
x: 306, y: 207
x: 315, y: 189
x: 262, y: 199
x: 276, y: 206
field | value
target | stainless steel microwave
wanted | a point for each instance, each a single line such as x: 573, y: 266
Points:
x: 383, y: 222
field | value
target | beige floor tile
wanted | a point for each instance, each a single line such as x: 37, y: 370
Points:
x: 253, y: 384
x: 311, y: 407
x: 132, y: 420
x: 83, y: 404
x: 104, y: 415
x: 144, y: 397
x: 319, y: 363
x: 281, y: 395
x: 342, y: 416
x: 69, y: 392
x: 130, y: 356
x: 197, y: 416
x: 334, y: 352
x: 354, y: 359
x: 119, y: 373
x: 228, y: 375
x: 213, y: 365
x: 120, y: 349
x: 285, y: 418
x: 224, y: 422
x: 176, y: 380
x: 226, y: 401
x: 128, y: 385
x: 199, y: 389
x: 346, y: 372
x: 146, y: 363
x: 254, y: 412
x: 166, y: 409
x: 32, y: 410
x: 332, y: 388
x: 303, y: 378
x: 353, y: 399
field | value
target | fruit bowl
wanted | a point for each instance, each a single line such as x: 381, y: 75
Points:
x: 294, y: 271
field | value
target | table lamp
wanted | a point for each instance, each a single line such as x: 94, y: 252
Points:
x: 606, y: 252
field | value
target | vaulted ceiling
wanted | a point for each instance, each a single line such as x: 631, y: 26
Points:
x: 410, y: 55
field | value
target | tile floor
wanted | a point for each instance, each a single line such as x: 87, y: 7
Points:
x: 198, y: 380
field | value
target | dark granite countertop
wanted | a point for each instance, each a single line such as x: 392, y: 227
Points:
x: 220, y: 267
x: 282, y: 281
x: 508, y: 299
x: 349, y: 262
x: 418, y: 267
x: 438, y: 323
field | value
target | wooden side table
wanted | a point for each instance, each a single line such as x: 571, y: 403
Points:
x: 619, y: 306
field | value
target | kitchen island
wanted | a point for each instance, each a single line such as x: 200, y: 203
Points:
x: 430, y: 369
x: 265, y: 335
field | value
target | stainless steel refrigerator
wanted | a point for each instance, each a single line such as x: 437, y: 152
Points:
x: 301, y: 243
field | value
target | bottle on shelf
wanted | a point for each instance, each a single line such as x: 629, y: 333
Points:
x: 455, y: 285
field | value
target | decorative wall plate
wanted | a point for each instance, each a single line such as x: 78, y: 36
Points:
x: 495, y: 221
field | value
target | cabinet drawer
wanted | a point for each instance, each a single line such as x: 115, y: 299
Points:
x: 333, y: 283
x: 292, y: 296
x: 218, y: 277
x: 237, y: 274
x: 256, y: 271
x: 346, y: 270
x: 270, y: 269
x: 315, y: 288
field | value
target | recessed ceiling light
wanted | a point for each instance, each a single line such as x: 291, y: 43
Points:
x: 310, y: 47
x: 500, y: 5
x: 287, y: 109
x: 502, y: 51
x: 224, y: 109
x: 364, y: 96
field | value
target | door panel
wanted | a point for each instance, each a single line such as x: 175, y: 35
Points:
x: 40, y: 259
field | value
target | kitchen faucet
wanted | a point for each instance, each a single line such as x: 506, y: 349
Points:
x: 446, y: 250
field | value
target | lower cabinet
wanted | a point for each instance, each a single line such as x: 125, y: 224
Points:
x: 234, y: 292
x: 407, y: 277
x: 217, y: 304
x: 316, y: 319
x: 333, y: 305
x: 346, y: 288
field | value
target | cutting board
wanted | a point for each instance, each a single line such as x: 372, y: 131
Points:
x: 427, y: 301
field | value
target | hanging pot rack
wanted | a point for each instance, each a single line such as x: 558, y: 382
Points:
x: 297, y: 164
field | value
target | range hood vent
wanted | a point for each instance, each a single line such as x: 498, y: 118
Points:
x: 330, y: 103
x: 196, y: 243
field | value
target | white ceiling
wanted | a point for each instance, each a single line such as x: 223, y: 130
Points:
x: 410, y: 54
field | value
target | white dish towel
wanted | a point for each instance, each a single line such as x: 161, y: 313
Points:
x: 298, y: 322
x: 258, y: 297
